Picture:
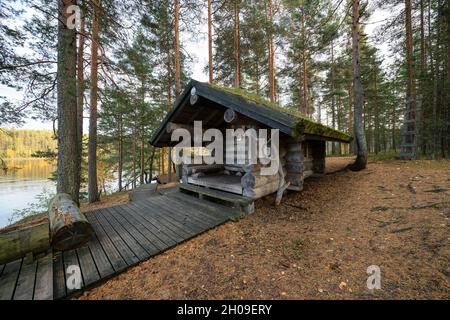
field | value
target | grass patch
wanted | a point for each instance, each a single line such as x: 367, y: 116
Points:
x: 385, y: 155
x: 296, y: 247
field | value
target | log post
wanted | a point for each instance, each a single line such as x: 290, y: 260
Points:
x: 318, y: 154
x: 69, y: 228
x: 295, y: 166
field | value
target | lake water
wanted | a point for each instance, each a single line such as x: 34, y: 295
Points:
x: 21, y: 183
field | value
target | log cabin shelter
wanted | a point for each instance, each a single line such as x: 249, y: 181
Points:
x: 302, y: 144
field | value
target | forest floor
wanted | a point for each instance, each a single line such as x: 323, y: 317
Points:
x: 317, y: 244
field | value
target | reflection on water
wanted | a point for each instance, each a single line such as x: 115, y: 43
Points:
x: 21, y: 183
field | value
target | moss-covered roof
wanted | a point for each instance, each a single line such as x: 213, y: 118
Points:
x: 300, y: 124
x: 288, y: 121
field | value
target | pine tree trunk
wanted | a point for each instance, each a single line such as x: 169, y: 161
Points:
x: 142, y: 159
x: 271, y: 55
x: 92, y: 145
x: 350, y: 117
x: 411, y: 83
x: 133, y: 149
x: 448, y: 80
x: 394, y: 146
x: 423, y: 140
x: 68, y: 166
x: 361, y: 146
x: 169, y: 106
x: 150, y: 169
x: 210, y: 51
x: 306, y: 105
x: 120, y: 167
x: 80, y: 92
x: 333, y: 104
x: 376, y: 117
x: 437, y: 76
x: 177, y: 49
x: 237, y: 46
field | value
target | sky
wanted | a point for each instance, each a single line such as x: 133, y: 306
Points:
x: 199, y: 53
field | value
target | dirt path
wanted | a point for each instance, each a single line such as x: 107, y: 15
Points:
x: 317, y: 244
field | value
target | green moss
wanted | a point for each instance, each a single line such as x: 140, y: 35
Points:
x: 300, y: 127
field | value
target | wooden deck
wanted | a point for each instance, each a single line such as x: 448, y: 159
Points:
x: 124, y: 236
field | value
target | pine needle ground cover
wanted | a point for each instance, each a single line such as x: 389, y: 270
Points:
x: 317, y: 244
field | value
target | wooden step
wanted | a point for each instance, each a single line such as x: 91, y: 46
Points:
x: 244, y: 204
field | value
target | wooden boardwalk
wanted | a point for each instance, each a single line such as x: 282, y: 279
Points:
x: 124, y: 236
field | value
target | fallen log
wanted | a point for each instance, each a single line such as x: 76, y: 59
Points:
x: 69, y: 227
x: 18, y: 243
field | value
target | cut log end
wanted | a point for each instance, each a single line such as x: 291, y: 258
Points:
x: 69, y: 228
x: 73, y: 236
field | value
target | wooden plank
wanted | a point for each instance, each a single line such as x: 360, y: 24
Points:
x: 59, y: 281
x: 149, y: 215
x: 25, y: 283
x: 87, y: 265
x: 169, y: 211
x: 219, y: 182
x: 71, y: 260
x: 206, y: 208
x: 166, y: 218
x: 154, y: 234
x: 8, y: 279
x: 138, y: 250
x: 135, y: 232
x: 218, y: 210
x: 191, y: 212
x: 114, y: 257
x: 225, y: 196
x: 126, y: 253
x: 104, y: 267
x: 43, y: 289
x: 184, y: 214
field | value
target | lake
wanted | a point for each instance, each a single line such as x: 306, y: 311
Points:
x: 21, y: 183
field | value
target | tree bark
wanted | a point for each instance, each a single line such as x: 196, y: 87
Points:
x: 423, y: 114
x: 271, y: 55
x: 333, y: 102
x: 92, y: 145
x: 237, y: 46
x: 120, y: 167
x: 361, y: 146
x: 306, y: 104
x: 80, y: 93
x: 133, y: 148
x: 210, y: 51
x: 68, y: 166
x: 448, y: 80
x: 142, y: 154
x: 169, y: 106
x: 411, y: 83
x: 177, y: 49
